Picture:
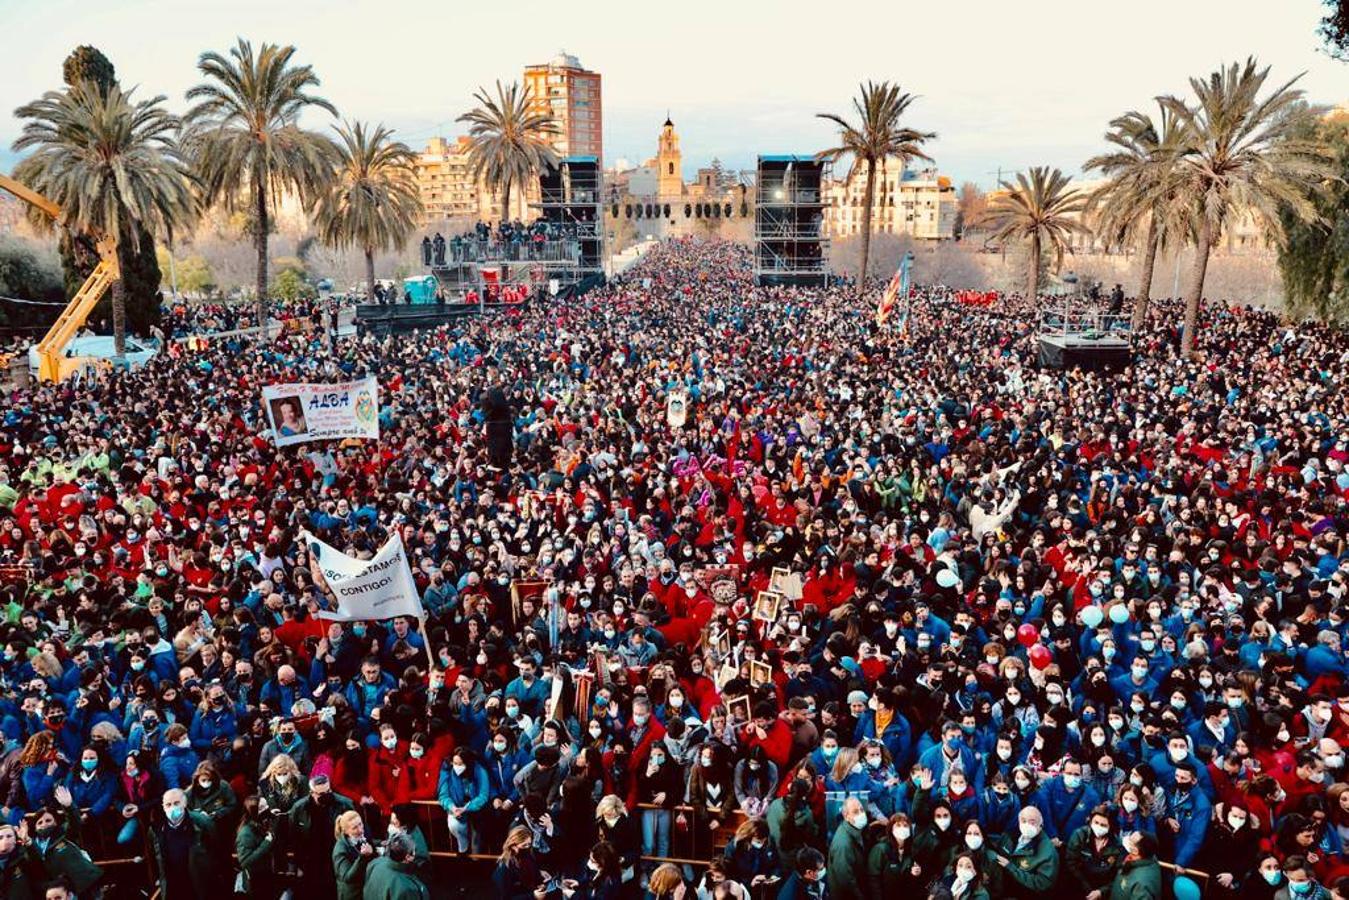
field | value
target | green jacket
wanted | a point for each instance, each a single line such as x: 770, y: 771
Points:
x: 802, y: 833
x: 847, y: 863
x: 64, y: 858
x: 1031, y: 869
x: 1090, y: 869
x: 18, y: 881
x: 1138, y: 879
x: 349, y: 867
x: 388, y: 880
x: 253, y: 846
x: 201, y: 858
x: 890, y: 871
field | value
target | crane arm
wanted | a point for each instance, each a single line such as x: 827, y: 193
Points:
x: 82, y: 304
x: 31, y: 197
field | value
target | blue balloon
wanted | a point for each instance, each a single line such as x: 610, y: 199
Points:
x: 1092, y: 616
x: 1119, y: 613
x: 1185, y: 889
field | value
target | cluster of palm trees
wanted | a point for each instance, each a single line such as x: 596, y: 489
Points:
x: 122, y: 166
x: 1174, y: 180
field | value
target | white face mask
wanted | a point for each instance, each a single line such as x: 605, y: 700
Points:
x: 902, y: 832
x: 1029, y: 831
x: 974, y: 841
x: 1129, y: 804
x: 942, y: 823
x: 1100, y: 830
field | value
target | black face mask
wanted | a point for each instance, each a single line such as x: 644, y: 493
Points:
x: 46, y: 832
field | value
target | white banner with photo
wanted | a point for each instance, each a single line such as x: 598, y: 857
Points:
x: 303, y: 412
x: 365, y: 589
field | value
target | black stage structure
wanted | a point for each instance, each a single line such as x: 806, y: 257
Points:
x: 789, y: 243
x: 1077, y: 333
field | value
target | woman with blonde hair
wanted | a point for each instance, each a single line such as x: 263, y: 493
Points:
x: 280, y: 788
x: 517, y: 873
x: 351, y: 854
x: 620, y: 830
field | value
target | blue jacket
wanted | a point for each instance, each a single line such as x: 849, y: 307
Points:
x: 468, y: 790
x: 998, y: 815
x: 209, y: 724
x: 501, y: 769
x: 935, y: 760
x: 364, y: 698
x: 38, y: 785
x: 94, y: 795
x: 1064, y: 811
x: 898, y: 737
x: 1166, y: 773
x: 531, y: 696
x: 1192, y: 811
x: 1202, y: 738
x: 176, y: 765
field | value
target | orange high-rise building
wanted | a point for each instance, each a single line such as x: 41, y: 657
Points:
x: 572, y: 94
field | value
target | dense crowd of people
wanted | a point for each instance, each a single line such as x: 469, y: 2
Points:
x: 757, y: 599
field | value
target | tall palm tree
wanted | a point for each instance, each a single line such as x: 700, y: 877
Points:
x: 508, y: 140
x: 874, y: 138
x: 246, y: 142
x: 1041, y: 209
x: 1241, y: 155
x: 1140, y: 190
x: 111, y: 163
x: 374, y: 203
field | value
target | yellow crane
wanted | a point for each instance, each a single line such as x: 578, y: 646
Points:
x: 53, y: 364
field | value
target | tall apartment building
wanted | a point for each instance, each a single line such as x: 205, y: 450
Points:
x: 572, y: 94
x: 919, y: 203
x: 447, y: 187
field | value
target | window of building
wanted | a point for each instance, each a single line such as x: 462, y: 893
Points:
x: 671, y: 168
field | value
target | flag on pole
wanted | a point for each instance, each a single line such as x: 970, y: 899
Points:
x: 365, y: 589
x: 888, y: 299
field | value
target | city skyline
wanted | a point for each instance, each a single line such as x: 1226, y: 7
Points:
x: 737, y: 81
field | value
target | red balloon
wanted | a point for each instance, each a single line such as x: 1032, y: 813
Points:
x: 1040, y: 657
x: 1028, y: 635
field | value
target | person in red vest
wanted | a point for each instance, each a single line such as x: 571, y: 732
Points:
x: 768, y: 731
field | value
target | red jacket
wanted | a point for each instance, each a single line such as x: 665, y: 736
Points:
x: 388, y: 775
x: 776, y: 743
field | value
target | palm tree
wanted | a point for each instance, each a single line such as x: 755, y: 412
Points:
x: 111, y: 163
x: 1239, y: 155
x: 875, y: 138
x: 1042, y: 209
x: 374, y: 204
x: 508, y: 141
x: 245, y: 140
x: 1141, y: 172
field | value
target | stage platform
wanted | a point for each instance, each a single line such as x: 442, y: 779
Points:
x: 1093, y: 352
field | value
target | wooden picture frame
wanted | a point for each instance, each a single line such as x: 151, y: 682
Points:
x: 739, y: 709
x: 767, y: 606
x: 760, y: 673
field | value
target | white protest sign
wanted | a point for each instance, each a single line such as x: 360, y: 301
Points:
x: 366, y: 589
x: 318, y: 412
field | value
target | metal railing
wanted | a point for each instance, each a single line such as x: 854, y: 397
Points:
x: 1085, y: 322
x: 491, y: 251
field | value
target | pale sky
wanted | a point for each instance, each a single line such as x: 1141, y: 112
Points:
x: 1003, y: 84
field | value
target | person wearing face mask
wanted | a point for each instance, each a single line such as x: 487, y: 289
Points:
x: 1092, y: 855
x: 751, y: 856
x: 54, y: 849
x: 288, y: 742
x: 621, y: 833
x: 966, y: 880
x: 888, y: 725
x: 503, y: 760
x: 463, y: 794
x: 211, y: 795
x: 1027, y: 858
x: 387, y: 771
x: 1065, y: 801
x: 892, y: 868
x: 1139, y: 876
x: 312, y: 821
x: 1178, y: 752
x: 791, y: 821
x: 1232, y: 841
x: 1188, y: 811
x: 847, y: 853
